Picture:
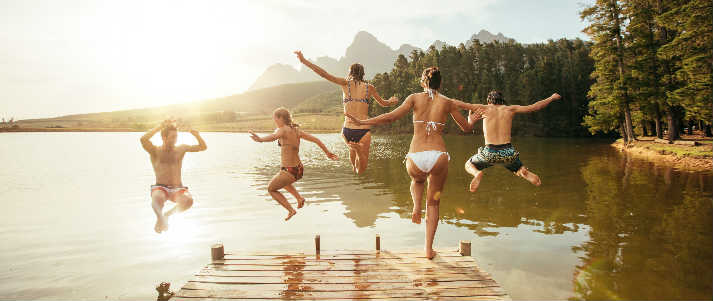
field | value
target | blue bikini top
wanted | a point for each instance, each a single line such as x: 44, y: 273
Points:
x: 349, y: 94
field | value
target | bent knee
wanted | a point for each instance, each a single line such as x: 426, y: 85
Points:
x: 433, y: 202
x: 186, y: 202
x: 158, y: 196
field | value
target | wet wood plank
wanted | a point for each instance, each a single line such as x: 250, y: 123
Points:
x: 342, y: 275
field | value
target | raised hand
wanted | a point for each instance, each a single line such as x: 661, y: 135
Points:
x: 332, y: 156
x: 353, y: 119
x: 394, y: 100
x: 300, y: 56
x: 555, y: 96
x: 254, y: 136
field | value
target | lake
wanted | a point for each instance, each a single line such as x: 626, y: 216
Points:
x: 77, y: 221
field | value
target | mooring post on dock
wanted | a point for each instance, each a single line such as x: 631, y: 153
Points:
x: 464, y: 248
x: 217, y: 252
x: 316, y: 244
x: 378, y: 242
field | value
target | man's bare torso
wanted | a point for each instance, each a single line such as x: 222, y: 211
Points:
x: 167, y: 165
x: 497, y: 124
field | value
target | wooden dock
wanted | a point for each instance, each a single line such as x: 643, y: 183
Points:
x: 342, y: 275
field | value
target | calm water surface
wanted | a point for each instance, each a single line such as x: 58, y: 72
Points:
x: 77, y: 224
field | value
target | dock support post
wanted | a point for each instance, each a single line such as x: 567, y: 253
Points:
x: 217, y: 252
x: 316, y: 244
x: 464, y: 248
x: 378, y: 242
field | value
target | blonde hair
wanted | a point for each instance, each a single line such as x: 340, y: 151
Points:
x: 285, y: 115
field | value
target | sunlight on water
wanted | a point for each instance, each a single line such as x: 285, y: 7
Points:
x: 602, y: 226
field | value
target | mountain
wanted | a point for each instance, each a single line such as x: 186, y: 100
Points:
x: 375, y: 56
x: 365, y: 49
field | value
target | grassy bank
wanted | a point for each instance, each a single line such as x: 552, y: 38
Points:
x: 698, y: 158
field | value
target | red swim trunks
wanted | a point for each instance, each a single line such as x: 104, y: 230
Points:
x: 170, y: 191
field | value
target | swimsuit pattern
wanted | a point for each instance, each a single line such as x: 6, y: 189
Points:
x: 296, y: 171
x: 490, y: 154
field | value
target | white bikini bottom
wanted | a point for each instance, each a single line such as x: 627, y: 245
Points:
x: 426, y: 159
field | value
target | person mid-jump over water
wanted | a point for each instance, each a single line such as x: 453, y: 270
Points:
x: 497, y: 126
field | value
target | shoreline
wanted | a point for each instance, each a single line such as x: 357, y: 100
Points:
x: 653, y: 152
x: 128, y: 130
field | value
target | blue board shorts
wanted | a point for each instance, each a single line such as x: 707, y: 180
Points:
x: 492, y: 154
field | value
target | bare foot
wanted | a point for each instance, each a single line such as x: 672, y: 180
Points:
x: 161, y: 225
x: 290, y: 214
x: 529, y: 176
x: 300, y: 203
x: 416, y: 215
x: 430, y: 254
x: 474, y: 183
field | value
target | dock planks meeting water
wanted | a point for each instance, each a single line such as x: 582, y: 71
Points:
x: 342, y: 275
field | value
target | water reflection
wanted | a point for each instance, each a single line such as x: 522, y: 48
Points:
x: 650, y: 232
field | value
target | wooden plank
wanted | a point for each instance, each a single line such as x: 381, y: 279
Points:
x: 341, y: 280
x: 340, y: 267
x: 341, y: 286
x: 297, y: 294
x: 409, y: 298
x: 251, y: 264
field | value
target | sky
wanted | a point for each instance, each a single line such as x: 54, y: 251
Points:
x: 70, y: 56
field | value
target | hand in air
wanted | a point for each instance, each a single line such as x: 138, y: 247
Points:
x: 300, y: 56
x: 332, y: 156
x: 393, y: 100
x: 353, y: 119
x: 555, y: 96
x: 254, y: 136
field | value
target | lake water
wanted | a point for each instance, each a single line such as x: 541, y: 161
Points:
x: 76, y: 221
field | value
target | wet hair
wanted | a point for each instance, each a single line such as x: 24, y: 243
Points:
x: 285, y: 115
x: 167, y: 129
x: 432, y: 77
x: 495, y: 97
x: 356, y: 72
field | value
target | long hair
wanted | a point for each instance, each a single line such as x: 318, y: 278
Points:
x: 432, y: 77
x: 285, y: 115
x: 356, y: 72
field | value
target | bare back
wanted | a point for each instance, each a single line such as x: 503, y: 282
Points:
x: 497, y: 124
x: 167, y: 164
x: 429, y: 116
x: 356, y: 90
x: 289, y: 143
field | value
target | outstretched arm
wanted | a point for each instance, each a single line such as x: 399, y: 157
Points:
x: 536, y: 106
x: 272, y: 137
x: 384, y: 103
x: 464, y: 125
x: 321, y: 72
x: 315, y: 140
x: 146, y: 138
x: 389, y: 117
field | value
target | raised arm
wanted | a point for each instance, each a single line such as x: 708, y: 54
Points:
x: 272, y: 137
x: 384, y: 103
x: 535, y: 106
x: 463, y: 124
x: 469, y: 106
x: 307, y: 136
x: 201, y: 143
x: 321, y: 72
x: 389, y: 117
x: 146, y: 138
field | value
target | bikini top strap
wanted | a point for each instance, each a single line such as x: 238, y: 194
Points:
x: 349, y: 91
x: 367, y: 92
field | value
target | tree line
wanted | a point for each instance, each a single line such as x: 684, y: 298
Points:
x: 523, y: 73
x: 652, y: 66
x: 647, y: 70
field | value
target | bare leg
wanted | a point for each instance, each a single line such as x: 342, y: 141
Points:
x: 418, y: 178
x: 362, y: 159
x: 292, y: 190
x: 477, y: 175
x: 436, y: 179
x: 183, y: 202
x: 279, y: 181
x: 158, y: 199
x: 352, y: 153
x: 529, y: 176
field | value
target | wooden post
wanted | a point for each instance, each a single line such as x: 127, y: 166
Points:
x: 217, y: 252
x: 378, y: 242
x: 316, y: 244
x: 464, y: 248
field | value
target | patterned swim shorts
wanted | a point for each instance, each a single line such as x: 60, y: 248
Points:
x: 492, y: 154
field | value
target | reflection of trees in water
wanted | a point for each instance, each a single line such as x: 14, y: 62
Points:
x: 650, y: 234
